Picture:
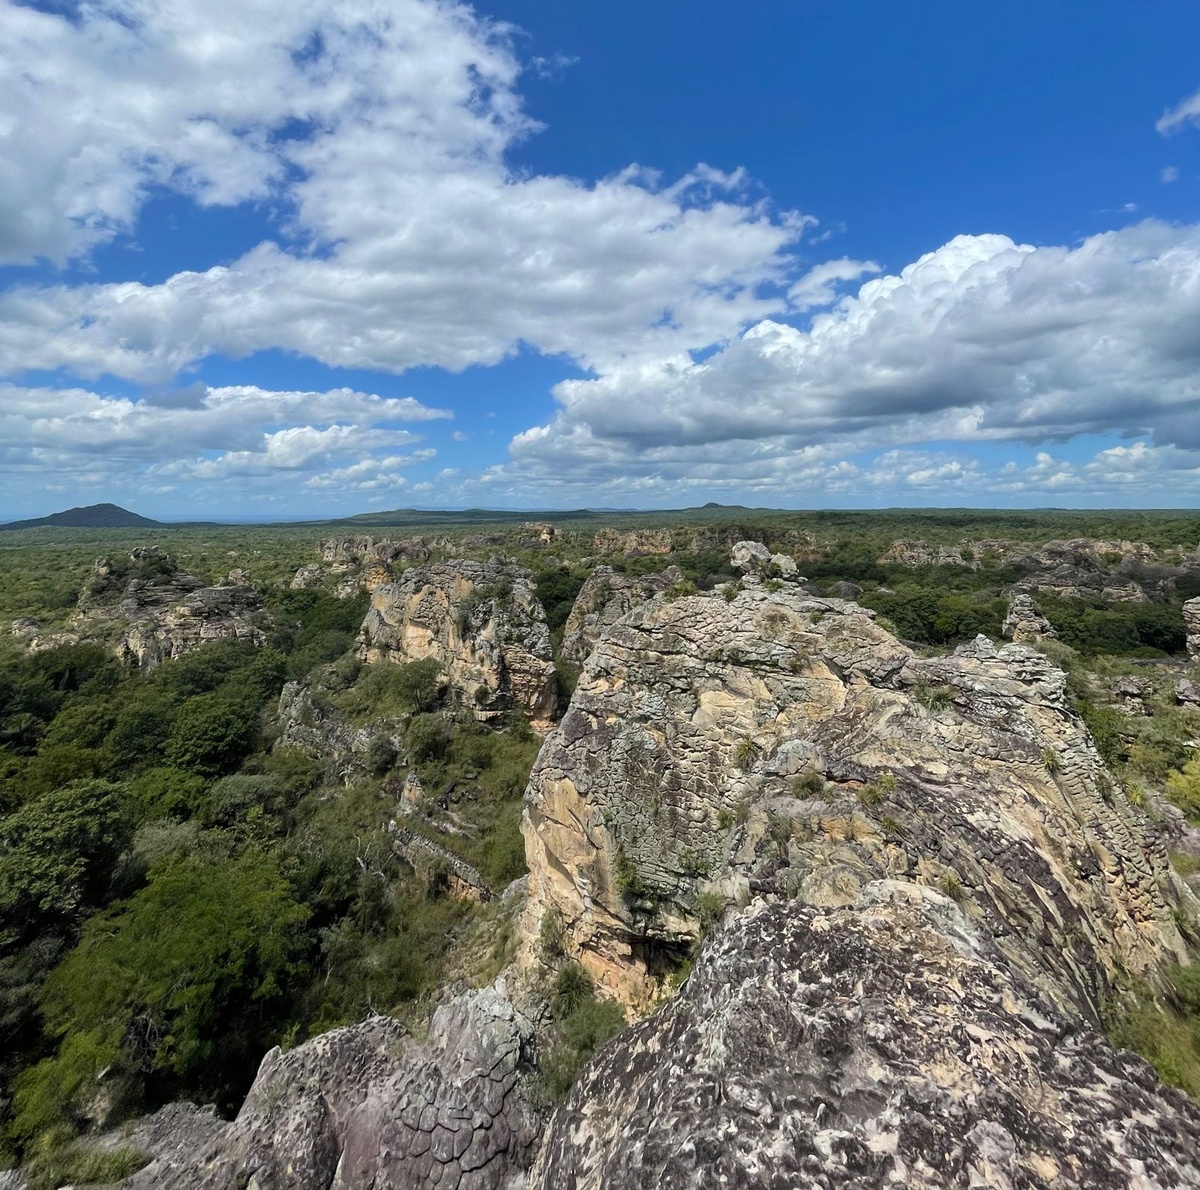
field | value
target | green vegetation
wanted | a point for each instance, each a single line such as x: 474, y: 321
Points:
x: 582, y: 1022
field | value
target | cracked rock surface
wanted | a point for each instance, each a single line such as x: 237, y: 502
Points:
x: 481, y: 621
x: 364, y: 1106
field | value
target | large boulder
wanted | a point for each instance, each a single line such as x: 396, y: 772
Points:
x: 888, y: 1043
x: 482, y: 623
x: 365, y: 1106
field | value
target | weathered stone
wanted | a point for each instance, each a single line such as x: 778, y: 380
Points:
x: 163, y: 612
x: 1191, y: 623
x: 308, y: 576
x: 1187, y: 692
x: 1024, y: 623
x: 603, y: 599
x: 887, y: 1043
x: 634, y: 543
x: 348, y: 1109
x: 481, y: 622
x: 662, y: 783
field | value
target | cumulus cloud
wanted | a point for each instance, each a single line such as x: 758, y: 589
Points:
x: 1169, y: 174
x: 1183, y: 113
x: 379, y: 134
x: 818, y: 287
x: 982, y: 340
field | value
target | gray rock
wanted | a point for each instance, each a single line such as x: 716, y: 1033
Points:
x: 365, y: 1106
x: 887, y: 1043
x: 1024, y: 623
x: 1191, y: 622
x: 1187, y: 692
x: 603, y: 599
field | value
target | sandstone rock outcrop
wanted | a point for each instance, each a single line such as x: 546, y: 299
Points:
x: 633, y: 543
x: 365, y: 1106
x: 887, y: 1043
x: 1191, y: 621
x: 149, y: 610
x: 603, y: 599
x: 784, y: 743
x: 1024, y: 624
x: 481, y: 622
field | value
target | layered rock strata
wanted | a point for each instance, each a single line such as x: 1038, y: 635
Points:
x: 1024, y: 624
x: 150, y: 611
x: 481, y: 622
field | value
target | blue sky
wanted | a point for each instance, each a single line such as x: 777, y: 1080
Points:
x: 290, y: 260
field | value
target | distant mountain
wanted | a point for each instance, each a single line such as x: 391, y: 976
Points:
x: 94, y: 516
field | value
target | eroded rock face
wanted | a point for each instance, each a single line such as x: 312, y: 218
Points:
x: 673, y: 779
x: 1191, y: 620
x: 151, y: 611
x: 887, y: 1043
x: 633, y: 543
x: 365, y: 1106
x: 483, y: 624
x: 310, y: 723
x: 603, y: 599
x: 1024, y: 623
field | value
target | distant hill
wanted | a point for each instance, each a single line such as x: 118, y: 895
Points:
x: 94, y: 516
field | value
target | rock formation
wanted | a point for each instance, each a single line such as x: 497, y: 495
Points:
x: 1191, y: 620
x: 312, y: 724
x: 1024, y: 623
x: 364, y: 1106
x: 483, y: 624
x: 149, y: 610
x: 603, y: 599
x: 308, y: 576
x: 781, y: 743
x: 634, y: 543
x: 884, y: 1044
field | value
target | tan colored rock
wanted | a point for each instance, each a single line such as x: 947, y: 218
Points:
x: 603, y: 599
x: 481, y: 622
x: 634, y: 543
x: 1191, y: 623
x: 671, y: 779
x: 1024, y: 624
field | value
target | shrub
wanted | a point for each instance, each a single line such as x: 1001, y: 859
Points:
x: 1183, y: 789
x: 809, y: 783
x: 745, y: 753
x: 427, y: 738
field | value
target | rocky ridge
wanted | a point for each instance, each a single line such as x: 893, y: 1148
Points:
x: 148, y: 610
x: 916, y: 883
x: 603, y: 599
x: 780, y: 743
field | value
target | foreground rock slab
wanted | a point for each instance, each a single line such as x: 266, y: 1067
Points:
x: 885, y: 1044
x: 365, y: 1106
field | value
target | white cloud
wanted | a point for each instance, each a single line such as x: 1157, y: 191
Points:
x: 818, y: 287
x: 379, y: 133
x: 1183, y: 113
x: 1169, y: 174
x: 982, y: 340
